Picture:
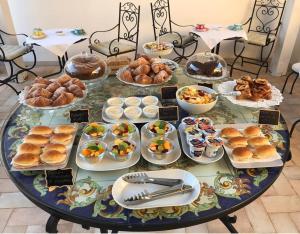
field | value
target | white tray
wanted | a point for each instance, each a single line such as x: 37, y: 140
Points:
x: 170, y: 158
x: 122, y: 190
x: 52, y: 167
x: 274, y: 161
x: 142, y: 119
x: 108, y: 163
x: 186, y: 149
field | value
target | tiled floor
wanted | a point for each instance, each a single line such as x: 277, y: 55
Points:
x: 278, y: 210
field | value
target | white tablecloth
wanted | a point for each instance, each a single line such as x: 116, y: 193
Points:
x: 56, y: 44
x: 218, y: 33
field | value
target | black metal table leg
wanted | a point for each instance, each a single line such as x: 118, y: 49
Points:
x: 51, y: 226
x: 228, y: 221
x: 114, y: 231
x: 218, y: 48
x: 103, y: 230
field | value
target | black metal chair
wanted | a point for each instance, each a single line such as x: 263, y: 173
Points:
x: 9, y: 54
x: 128, y: 33
x: 263, y: 28
x: 291, y: 134
x: 161, y: 20
x: 295, y: 71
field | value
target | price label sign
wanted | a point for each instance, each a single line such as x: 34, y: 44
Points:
x: 168, y: 92
x: 206, y: 85
x: 169, y: 113
x: 79, y: 116
x: 269, y: 117
x: 59, y: 178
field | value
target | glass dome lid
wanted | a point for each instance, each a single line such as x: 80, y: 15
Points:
x: 86, y: 67
x: 206, y: 66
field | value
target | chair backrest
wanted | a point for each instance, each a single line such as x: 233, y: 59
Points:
x: 129, y: 22
x: 266, y: 16
x: 161, y: 17
x: 1, y: 38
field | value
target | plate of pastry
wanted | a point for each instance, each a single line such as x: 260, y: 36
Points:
x: 247, y: 146
x: 45, y: 148
x: 53, y: 94
x: 255, y: 93
x: 145, y: 72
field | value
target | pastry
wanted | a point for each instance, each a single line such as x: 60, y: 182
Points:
x: 237, y: 142
x: 230, y: 132
x: 258, y: 141
x: 29, y: 148
x: 69, y: 129
x: 41, y: 92
x: 25, y: 160
x: 58, y: 147
x: 53, y: 157
x: 39, y: 101
x: 143, y: 79
x: 53, y: 86
x: 126, y: 76
x: 61, y: 138
x: 76, y: 82
x: 62, y: 99
x: 75, y: 90
x: 142, y: 69
x: 160, y: 77
x: 241, y: 154
x: 41, y: 130
x: 63, y: 79
x: 115, y: 63
x: 265, y: 151
x: 252, y: 131
x: 36, y: 139
x: 58, y: 92
x: 41, y: 80
x: 140, y: 61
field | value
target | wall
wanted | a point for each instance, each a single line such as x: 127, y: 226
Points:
x: 102, y: 14
x: 296, y: 53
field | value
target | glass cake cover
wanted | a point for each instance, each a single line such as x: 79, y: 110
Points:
x: 86, y: 67
x: 206, y: 66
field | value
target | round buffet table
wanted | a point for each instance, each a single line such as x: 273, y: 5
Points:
x: 89, y: 202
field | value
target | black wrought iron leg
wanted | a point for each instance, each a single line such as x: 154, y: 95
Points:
x: 286, y: 80
x: 237, y: 56
x: 114, y: 231
x: 218, y: 48
x: 228, y: 221
x: 51, y: 226
x: 293, y: 127
x: 103, y: 230
x: 85, y: 227
x: 291, y: 92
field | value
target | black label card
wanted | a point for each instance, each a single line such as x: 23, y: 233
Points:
x: 269, y: 117
x: 206, y: 85
x: 59, y: 178
x: 168, y: 92
x: 169, y: 113
x: 79, y: 116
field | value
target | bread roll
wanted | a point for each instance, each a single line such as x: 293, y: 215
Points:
x: 241, y: 154
x: 230, y: 132
x: 36, y: 139
x: 26, y: 160
x: 61, y: 138
x: 41, y: 130
x: 29, y: 148
x: 53, y: 157
x: 258, y: 141
x: 265, y: 151
x: 58, y: 147
x: 237, y: 142
x: 68, y: 129
x: 252, y: 131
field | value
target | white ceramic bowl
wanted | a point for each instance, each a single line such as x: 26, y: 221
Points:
x: 115, y: 101
x: 150, y: 111
x: 133, y: 112
x: 133, y: 101
x: 196, y: 108
x: 114, y: 112
x: 158, y: 53
x: 150, y: 100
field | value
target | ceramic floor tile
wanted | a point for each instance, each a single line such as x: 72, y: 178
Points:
x: 270, y: 192
x: 243, y: 224
x: 292, y: 172
x: 14, y: 200
x: 4, y: 217
x: 216, y: 226
x: 259, y: 217
x: 282, y: 186
x: 283, y: 223
x: 62, y: 228
x: 15, y: 229
x: 296, y: 185
x: 275, y: 204
x: 295, y: 217
x: 7, y: 186
x: 23, y: 216
x: 76, y: 228
x: 200, y: 228
x: 3, y: 174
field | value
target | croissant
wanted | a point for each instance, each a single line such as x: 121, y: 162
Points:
x: 126, y: 76
x: 70, y: 96
x: 160, y: 77
x: 75, y: 90
x: 41, y: 93
x: 140, y: 61
x: 53, y: 87
x: 39, y: 101
x: 63, y: 79
x: 142, y: 69
x: 62, y: 99
x: 58, y: 92
x: 39, y: 85
x: 157, y: 67
x: 77, y: 82
x: 143, y: 79
x: 41, y: 80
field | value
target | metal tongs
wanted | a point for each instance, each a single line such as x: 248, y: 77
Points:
x: 232, y: 93
x: 145, y: 196
x: 143, y: 178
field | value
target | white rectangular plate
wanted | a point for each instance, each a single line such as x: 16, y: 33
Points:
x: 274, y: 161
x: 108, y: 163
x: 170, y: 158
x: 52, y: 167
x: 122, y: 190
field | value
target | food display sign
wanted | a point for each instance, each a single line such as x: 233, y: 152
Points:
x: 168, y: 113
x: 79, y: 116
x: 168, y: 92
x: 269, y: 117
x: 206, y: 85
x: 59, y: 178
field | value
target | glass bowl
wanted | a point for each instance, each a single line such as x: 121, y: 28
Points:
x: 93, y: 159
x: 94, y: 128
x: 160, y: 155
x: 125, y: 157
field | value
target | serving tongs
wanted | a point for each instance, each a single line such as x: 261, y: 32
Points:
x: 232, y: 93
x: 145, y: 196
x: 143, y: 178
